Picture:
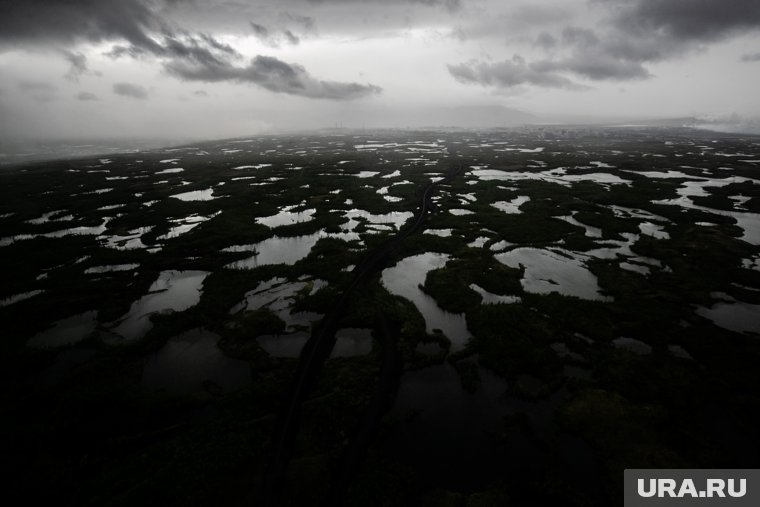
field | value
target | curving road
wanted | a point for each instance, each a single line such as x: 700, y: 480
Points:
x: 318, y: 348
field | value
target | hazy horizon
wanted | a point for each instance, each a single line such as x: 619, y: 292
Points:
x: 202, y: 69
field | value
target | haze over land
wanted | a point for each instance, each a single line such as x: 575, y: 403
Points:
x: 217, y: 68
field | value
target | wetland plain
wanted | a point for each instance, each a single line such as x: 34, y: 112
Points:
x: 561, y: 303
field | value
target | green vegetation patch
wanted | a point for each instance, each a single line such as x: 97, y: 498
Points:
x: 450, y: 285
x: 513, y: 339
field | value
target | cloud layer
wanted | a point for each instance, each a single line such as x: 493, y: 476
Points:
x: 140, y: 31
x: 635, y: 33
x: 212, y: 67
x: 41, y: 21
x: 272, y: 74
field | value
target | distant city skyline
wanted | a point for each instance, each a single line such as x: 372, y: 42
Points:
x: 222, y: 68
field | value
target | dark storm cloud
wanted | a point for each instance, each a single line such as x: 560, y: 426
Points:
x: 130, y: 90
x: 86, y: 96
x: 641, y: 32
x: 754, y: 57
x: 25, y: 22
x: 181, y: 45
x: 45, y: 21
x: 692, y: 20
x: 140, y: 30
x: 649, y: 31
x: 136, y: 22
x: 646, y: 31
x: 274, y: 75
x: 509, y: 74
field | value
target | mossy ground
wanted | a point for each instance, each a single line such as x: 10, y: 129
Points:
x: 96, y: 436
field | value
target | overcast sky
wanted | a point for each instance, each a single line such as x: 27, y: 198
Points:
x: 217, y: 68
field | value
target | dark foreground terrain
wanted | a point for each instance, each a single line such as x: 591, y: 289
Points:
x: 396, y: 318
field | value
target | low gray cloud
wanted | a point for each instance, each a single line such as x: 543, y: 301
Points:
x: 260, y: 31
x: 274, y: 37
x: 130, y: 90
x: 509, y: 74
x: 274, y: 75
x: 594, y: 57
x: 86, y: 96
x: 78, y: 62
x: 284, y: 29
x: 201, y: 47
x: 181, y: 45
x: 754, y: 57
x: 305, y: 24
x: 290, y: 37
